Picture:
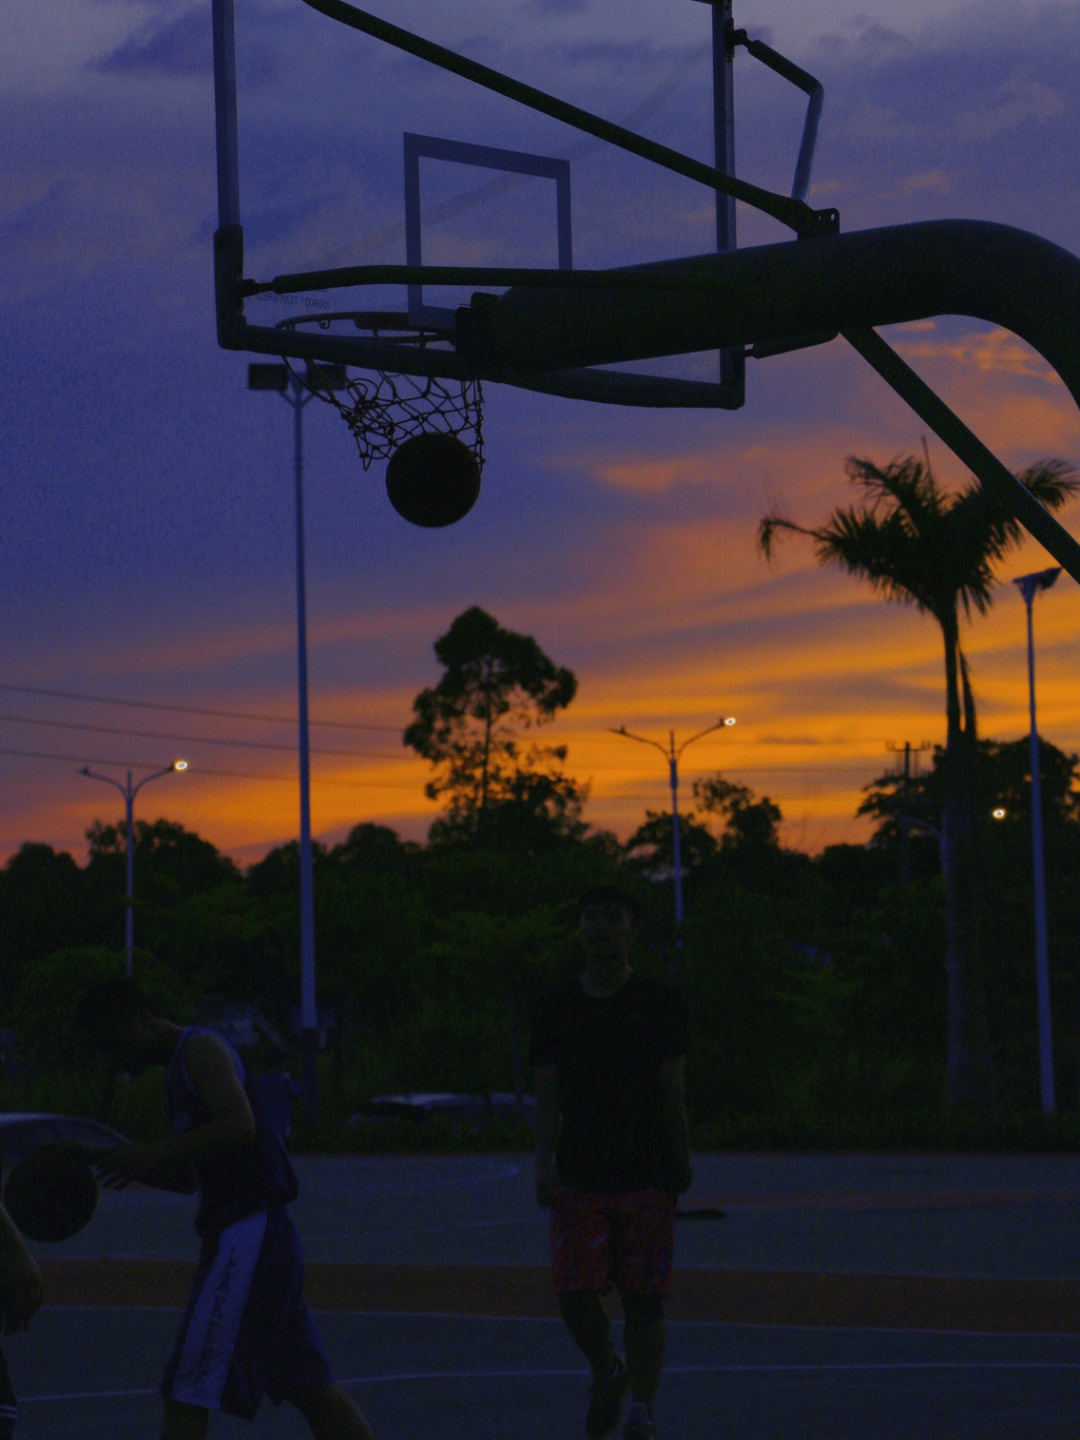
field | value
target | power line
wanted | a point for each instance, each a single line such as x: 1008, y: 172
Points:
x: 636, y: 795
x: 184, y: 739
x: 192, y: 709
x: 289, y: 748
x: 288, y: 779
x: 571, y: 735
x: 780, y: 769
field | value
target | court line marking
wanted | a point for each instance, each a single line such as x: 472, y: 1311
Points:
x: 763, y: 1368
x: 455, y: 1316
x: 85, y: 1395
x: 561, y: 1373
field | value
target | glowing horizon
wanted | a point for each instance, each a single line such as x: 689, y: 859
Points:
x: 148, y: 506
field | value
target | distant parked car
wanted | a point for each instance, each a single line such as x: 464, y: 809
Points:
x: 22, y: 1132
x: 246, y: 1027
x: 468, y: 1111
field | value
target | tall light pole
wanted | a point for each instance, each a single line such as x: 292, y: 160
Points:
x: 672, y: 753
x: 1029, y: 586
x: 129, y: 791
x: 280, y: 379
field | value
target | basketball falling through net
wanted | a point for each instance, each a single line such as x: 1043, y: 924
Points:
x: 426, y: 427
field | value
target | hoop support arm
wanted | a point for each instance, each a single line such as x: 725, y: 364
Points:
x: 371, y: 353
x: 792, y: 294
x: 822, y: 286
x: 982, y: 462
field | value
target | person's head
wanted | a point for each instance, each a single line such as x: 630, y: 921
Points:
x: 117, y: 1018
x: 607, y: 916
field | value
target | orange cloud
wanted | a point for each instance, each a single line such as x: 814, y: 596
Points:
x: 668, y: 614
x: 1015, y: 103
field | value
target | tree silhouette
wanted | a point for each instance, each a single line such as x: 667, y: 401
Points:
x: 749, y: 823
x: 496, y: 685
x: 1003, y: 789
x: 919, y: 545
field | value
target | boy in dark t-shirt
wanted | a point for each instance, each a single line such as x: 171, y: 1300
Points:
x: 612, y: 1153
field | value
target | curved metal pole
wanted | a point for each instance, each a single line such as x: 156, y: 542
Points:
x: 807, y: 291
x: 551, y: 324
x: 790, y: 295
x: 671, y: 753
x: 129, y: 791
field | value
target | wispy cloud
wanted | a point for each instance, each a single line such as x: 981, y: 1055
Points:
x: 148, y: 505
x: 1020, y: 100
x: 998, y: 351
x: 861, y: 40
x: 176, y: 47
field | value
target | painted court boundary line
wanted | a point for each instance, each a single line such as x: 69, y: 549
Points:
x: 987, y: 1198
x: 563, y: 1373
x: 807, y: 1299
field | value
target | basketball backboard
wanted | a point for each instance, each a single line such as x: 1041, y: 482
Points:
x: 492, y: 161
x: 696, y: 209
x: 583, y: 327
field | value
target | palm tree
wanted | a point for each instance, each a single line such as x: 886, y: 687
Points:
x: 919, y: 545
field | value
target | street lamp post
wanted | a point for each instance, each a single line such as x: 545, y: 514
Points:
x: 1029, y: 586
x: 282, y: 380
x: 129, y: 791
x: 672, y: 753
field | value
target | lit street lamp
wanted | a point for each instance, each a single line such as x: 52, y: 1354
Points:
x: 129, y: 791
x: 1029, y: 586
x: 671, y: 753
x: 280, y: 379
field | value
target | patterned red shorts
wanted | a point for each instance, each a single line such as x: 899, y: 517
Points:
x: 623, y: 1240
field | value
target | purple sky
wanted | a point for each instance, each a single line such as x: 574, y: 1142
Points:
x: 146, y: 607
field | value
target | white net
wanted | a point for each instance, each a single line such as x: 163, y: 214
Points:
x: 384, y: 409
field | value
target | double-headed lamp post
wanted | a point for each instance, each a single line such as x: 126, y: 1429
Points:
x: 1029, y: 586
x: 672, y: 753
x: 129, y: 791
x: 283, y: 381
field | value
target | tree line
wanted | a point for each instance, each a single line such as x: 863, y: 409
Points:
x: 879, y: 985
x: 817, y: 985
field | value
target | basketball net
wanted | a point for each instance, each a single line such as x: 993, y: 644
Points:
x: 383, y: 409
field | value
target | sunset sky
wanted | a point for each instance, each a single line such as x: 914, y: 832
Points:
x: 146, y: 592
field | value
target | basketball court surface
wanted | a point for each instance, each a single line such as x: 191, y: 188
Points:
x: 876, y: 1297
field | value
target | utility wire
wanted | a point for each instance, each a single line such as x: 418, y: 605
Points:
x: 626, y: 769
x: 289, y: 779
x: 186, y: 739
x: 193, y: 710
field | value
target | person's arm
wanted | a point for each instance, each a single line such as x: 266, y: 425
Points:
x: 167, y: 1164
x: 546, y: 1133
x: 21, y: 1287
x: 672, y: 1082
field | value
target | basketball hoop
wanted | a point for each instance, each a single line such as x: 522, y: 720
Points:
x: 384, y: 409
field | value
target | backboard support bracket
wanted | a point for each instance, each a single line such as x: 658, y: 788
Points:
x: 797, y: 294
x: 613, y: 387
